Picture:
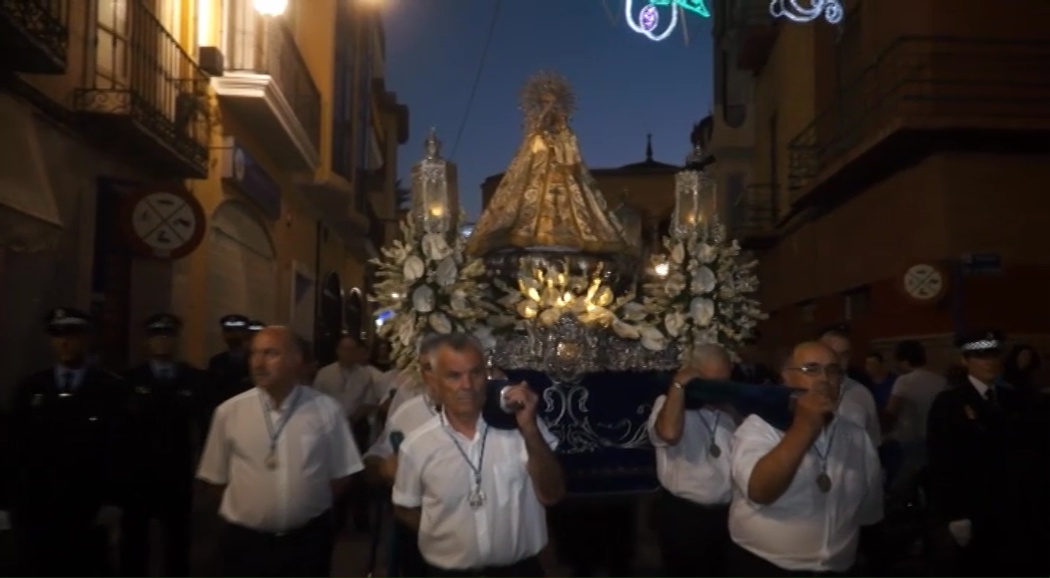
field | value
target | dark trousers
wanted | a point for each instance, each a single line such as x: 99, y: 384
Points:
x: 173, y: 514
x: 528, y: 567
x: 409, y: 560
x: 48, y: 543
x: 595, y: 534
x: 306, y: 551
x: 355, y: 501
x: 740, y: 562
x: 693, y: 538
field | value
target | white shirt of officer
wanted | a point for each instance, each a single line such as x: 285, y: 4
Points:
x: 432, y: 475
x: 409, y: 416
x: 313, y: 449
x: 687, y: 469
x: 806, y: 529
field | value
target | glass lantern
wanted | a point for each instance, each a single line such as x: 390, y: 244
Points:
x: 435, y: 197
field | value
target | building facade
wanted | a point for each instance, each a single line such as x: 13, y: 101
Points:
x: 271, y: 139
x: 915, y: 133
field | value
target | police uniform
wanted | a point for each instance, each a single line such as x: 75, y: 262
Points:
x: 67, y: 422
x: 164, y: 404
x: 987, y: 461
x: 228, y: 371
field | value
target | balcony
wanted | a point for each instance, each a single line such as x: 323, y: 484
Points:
x: 267, y: 85
x: 34, y: 36
x: 756, y: 32
x: 921, y: 95
x: 752, y: 218
x: 147, y: 96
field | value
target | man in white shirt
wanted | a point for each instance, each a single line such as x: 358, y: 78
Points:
x: 476, y: 493
x: 909, y: 404
x: 359, y: 389
x: 692, y: 463
x: 413, y: 410
x: 280, y: 451
x: 801, y: 496
x: 857, y: 403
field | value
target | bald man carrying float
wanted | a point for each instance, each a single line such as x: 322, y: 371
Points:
x: 280, y: 451
x: 800, y: 496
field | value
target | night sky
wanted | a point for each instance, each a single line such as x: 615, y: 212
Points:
x: 626, y: 85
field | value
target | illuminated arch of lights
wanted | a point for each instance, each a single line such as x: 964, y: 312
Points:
x: 647, y: 20
x: 807, y: 10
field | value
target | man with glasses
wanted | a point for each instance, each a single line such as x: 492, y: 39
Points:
x: 800, y: 496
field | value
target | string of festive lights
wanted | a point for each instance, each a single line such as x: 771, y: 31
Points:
x: 794, y: 10
x: 647, y: 20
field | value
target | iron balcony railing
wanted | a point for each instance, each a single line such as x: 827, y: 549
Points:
x: 754, y: 213
x: 265, y: 45
x: 951, y: 82
x: 41, y: 26
x: 143, y: 73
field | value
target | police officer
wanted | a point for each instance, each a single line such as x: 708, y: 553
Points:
x: 164, y: 405
x: 228, y: 371
x: 66, y: 425
x: 986, y: 461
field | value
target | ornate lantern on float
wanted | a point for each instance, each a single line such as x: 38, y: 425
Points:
x: 695, y: 193
x: 435, y: 192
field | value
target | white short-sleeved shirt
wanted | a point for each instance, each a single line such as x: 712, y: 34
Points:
x: 917, y: 389
x: 409, y: 416
x: 406, y: 384
x: 858, y: 405
x: 354, y: 387
x: 314, y: 448
x: 434, y: 476
x: 687, y: 469
x: 806, y: 529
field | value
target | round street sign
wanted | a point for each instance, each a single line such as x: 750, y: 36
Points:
x: 163, y: 222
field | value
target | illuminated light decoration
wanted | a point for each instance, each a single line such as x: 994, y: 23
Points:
x: 648, y: 18
x: 794, y: 10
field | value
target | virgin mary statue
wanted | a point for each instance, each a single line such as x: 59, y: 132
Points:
x: 547, y: 199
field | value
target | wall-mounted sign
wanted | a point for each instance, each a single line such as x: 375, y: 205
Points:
x: 240, y: 169
x: 925, y: 283
x: 163, y: 222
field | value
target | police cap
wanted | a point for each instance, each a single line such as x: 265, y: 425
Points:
x: 986, y: 341
x: 163, y: 324
x: 234, y: 322
x: 67, y: 321
x: 255, y: 325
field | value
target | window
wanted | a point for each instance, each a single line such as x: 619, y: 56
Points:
x: 111, y: 54
x: 857, y: 302
x: 343, y: 95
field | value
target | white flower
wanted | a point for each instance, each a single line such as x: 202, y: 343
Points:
x: 435, y: 247
x: 652, y: 339
x: 625, y: 330
x: 414, y: 268
x: 440, y: 323
x: 423, y: 299
x: 703, y: 281
x: 446, y: 271
x: 673, y: 323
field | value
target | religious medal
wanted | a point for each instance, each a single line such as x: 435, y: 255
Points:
x: 476, y: 499
x: 824, y: 482
x: 275, y: 431
x: 712, y: 431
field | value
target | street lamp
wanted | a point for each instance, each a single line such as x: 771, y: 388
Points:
x: 270, y: 7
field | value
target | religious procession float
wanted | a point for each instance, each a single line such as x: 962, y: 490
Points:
x: 561, y: 295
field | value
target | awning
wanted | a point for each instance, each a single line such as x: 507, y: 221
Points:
x: 29, y: 220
